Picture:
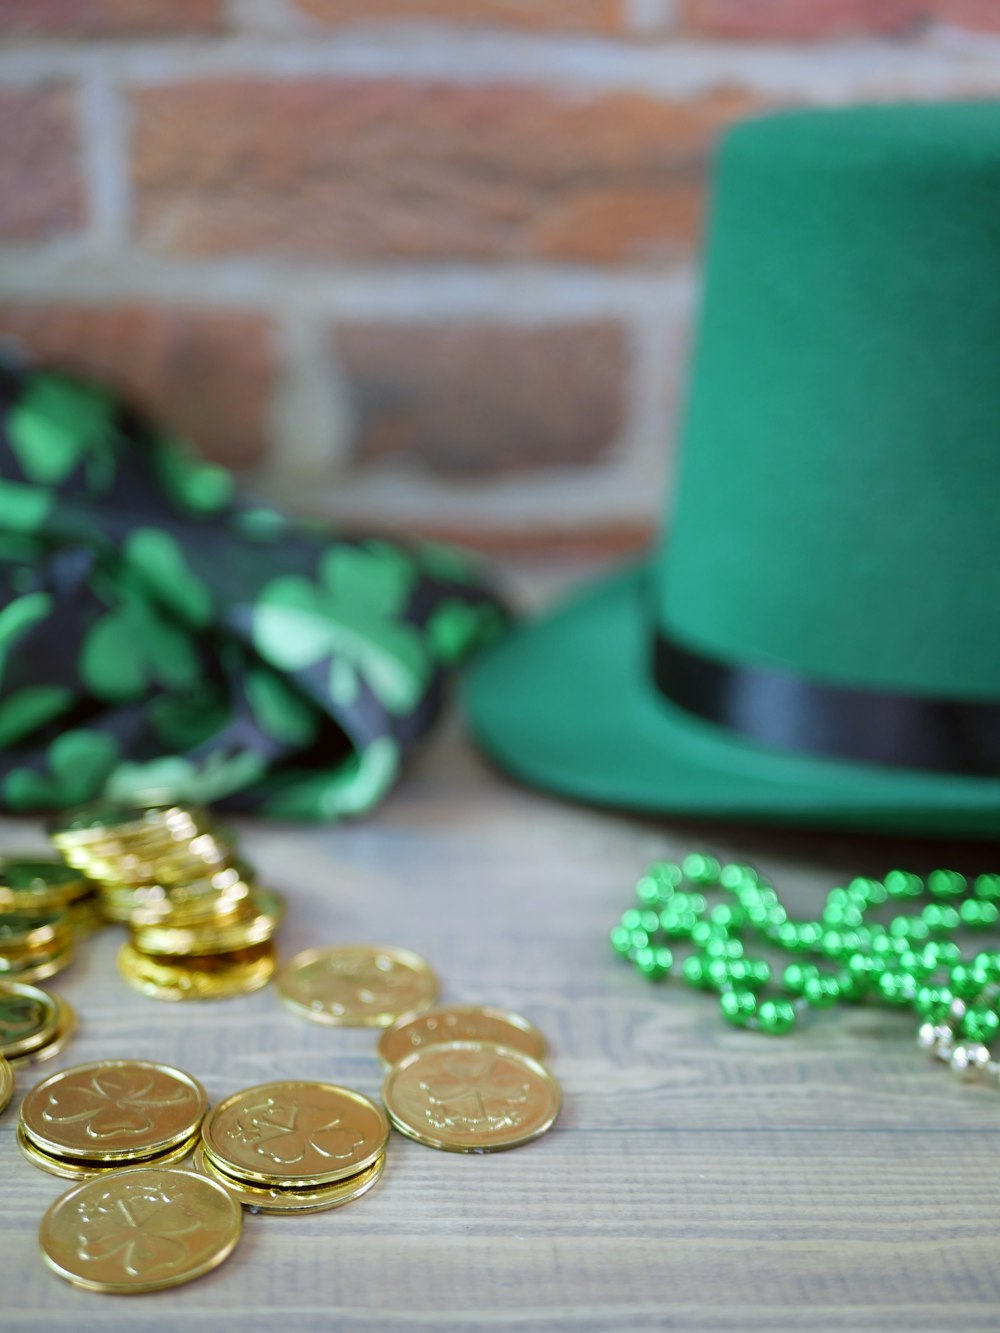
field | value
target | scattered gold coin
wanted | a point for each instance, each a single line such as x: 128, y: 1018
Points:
x: 140, y: 1230
x: 113, y: 1111
x: 6, y: 1083
x: 294, y: 1134
x: 39, y: 884
x: 460, y: 1022
x: 30, y: 1019
x: 73, y: 1168
x: 471, y: 1096
x: 357, y: 985
x: 214, y: 977
x: 276, y: 1199
x: 34, y: 945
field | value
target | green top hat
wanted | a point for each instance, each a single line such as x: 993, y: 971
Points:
x: 818, y: 642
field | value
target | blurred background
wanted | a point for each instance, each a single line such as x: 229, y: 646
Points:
x: 426, y: 265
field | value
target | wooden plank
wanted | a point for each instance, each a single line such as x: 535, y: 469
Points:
x: 699, y: 1177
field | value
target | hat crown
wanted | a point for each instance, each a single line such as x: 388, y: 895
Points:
x: 837, y: 509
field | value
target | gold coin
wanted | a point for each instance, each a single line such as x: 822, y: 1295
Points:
x: 65, y: 1027
x: 37, y: 968
x: 273, y: 1199
x: 101, y: 821
x: 72, y: 1168
x: 471, y: 1096
x: 178, y: 865
x: 460, y: 1022
x: 32, y: 932
x: 179, y: 904
x: 37, y: 883
x: 253, y: 921
x: 357, y: 985
x: 29, y: 1018
x: 295, y: 1134
x: 113, y: 1109
x: 216, y: 977
x: 140, y: 1230
x: 86, y: 917
x: 6, y: 1083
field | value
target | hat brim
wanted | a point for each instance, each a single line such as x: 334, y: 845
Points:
x: 568, y: 703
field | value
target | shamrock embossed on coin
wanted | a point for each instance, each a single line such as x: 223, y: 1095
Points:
x: 140, y: 1230
x: 471, y: 1096
x: 294, y: 1134
x: 289, y: 1132
x: 113, y: 1109
x: 357, y: 985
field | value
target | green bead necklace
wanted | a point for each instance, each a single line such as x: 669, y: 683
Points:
x: 908, y: 959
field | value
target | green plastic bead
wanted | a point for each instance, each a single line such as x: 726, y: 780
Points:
x: 776, y: 1017
x: 979, y: 915
x: 738, y: 1006
x: 941, y: 917
x: 654, y: 963
x: 946, y: 884
x: 869, y: 891
x: 701, y: 869
x: 717, y: 973
x: 693, y: 971
x: 667, y: 874
x: 632, y: 918
x: 897, y: 987
x: 649, y: 892
x: 639, y: 939
x: 988, y: 887
x: 821, y: 991
x: 966, y: 982
x: 737, y: 877
x: 621, y: 941
x: 988, y: 963
x: 796, y: 975
x: 903, y: 884
x: 980, y: 1024
x: 725, y: 948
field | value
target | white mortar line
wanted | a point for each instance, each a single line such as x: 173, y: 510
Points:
x: 428, y: 294
x: 311, y: 423
x: 935, y: 65
x: 104, y: 159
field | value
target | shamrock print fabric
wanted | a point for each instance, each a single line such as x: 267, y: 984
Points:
x: 162, y: 640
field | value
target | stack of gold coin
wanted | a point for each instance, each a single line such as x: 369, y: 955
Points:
x: 200, y: 925
x: 34, y: 1025
x: 97, y: 1118
x: 44, y: 905
x: 294, y: 1147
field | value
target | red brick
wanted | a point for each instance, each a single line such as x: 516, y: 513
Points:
x: 481, y: 399
x: 206, y: 375
x: 92, y: 18
x: 798, y: 20
x: 413, y: 170
x: 546, y: 15
x: 40, y: 190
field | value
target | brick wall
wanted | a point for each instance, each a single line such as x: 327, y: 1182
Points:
x: 426, y: 264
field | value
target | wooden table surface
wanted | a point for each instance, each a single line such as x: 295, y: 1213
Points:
x: 698, y: 1177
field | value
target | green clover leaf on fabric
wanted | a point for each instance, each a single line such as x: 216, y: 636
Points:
x: 195, y: 485
x: 353, y: 612
x: 159, y: 563
x: 279, y: 710
x: 357, y: 785
x: 174, y: 778
x: 79, y: 763
x: 133, y: 647
x: 23, y: 508
x: 59, y: 424
x: 26, y: 710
